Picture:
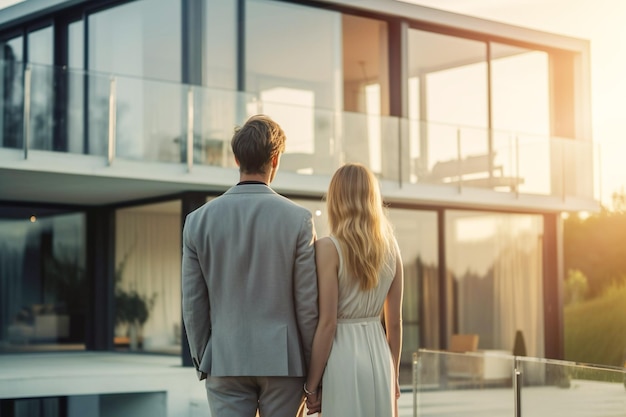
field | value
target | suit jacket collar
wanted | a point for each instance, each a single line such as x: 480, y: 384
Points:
x: 250, y: 189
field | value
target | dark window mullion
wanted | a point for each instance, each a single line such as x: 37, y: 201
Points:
x: 61, y: 85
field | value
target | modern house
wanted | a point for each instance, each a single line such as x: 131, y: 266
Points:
x: 115, y: 123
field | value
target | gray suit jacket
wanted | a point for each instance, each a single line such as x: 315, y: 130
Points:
x: 249, y: 284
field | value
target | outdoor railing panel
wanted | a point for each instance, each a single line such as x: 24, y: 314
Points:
x: 312, y: 133
x: 48, y: 108
x: 372, y: 140
x: 12, y: 104
x: 490, y: 383
x: 558, y: 388
x: 448, y: 384
x: 215, y: 113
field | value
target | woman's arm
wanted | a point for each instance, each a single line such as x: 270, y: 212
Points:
x: 393, y: 317
x: 327, y: 261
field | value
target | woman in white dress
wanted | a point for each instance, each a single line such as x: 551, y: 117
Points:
x: 355, y: 361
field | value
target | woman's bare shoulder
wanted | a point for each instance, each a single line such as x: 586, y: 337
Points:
x: 326, y: 246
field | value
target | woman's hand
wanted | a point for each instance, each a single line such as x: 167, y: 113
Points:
x: 314, y: 402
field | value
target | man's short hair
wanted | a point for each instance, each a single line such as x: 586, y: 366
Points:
x: 256, y: 142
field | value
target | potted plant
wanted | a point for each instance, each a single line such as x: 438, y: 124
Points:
x: 131, y: 308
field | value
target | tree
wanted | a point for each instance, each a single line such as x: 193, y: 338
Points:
x: 576, y: 286
x: 593, y: 246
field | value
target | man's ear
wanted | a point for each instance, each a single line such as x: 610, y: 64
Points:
x: 275, y: 160
x: 237, y: 161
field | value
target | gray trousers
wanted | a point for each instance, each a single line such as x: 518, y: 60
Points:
x: 242, y: 396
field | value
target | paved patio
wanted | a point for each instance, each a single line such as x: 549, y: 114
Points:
x: 581, y: 399
x: 93, y: 373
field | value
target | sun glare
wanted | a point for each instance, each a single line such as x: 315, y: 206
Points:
x: 6, y: 3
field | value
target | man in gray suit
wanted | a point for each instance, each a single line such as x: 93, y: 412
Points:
x: 249, y: 285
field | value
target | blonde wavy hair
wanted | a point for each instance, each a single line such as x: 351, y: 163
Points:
x: 357, y: 219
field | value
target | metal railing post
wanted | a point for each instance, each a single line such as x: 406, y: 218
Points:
x: 459, y: 160
x: 189, y: 129
x: 112, y: 121
x: 563, y: 171
x: 599, y: 183
x: 415, y: 369
x: 517, y: 166
x: 26, y: 114
x: 517, y: 387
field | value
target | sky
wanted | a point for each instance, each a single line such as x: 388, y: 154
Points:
x: 603, y: 23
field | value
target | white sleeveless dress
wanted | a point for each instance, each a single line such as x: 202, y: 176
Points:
x: 359, y: 378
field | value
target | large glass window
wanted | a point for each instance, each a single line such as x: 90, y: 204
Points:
x: 495, y: 270
x: 293, y: 63
x: 416, y: 232
x: 42, y: 88
x: 448, y: 101
x: 75, y: 87
x: 220, y: 51
x: 147, y: 270
x: 143, y: 51
x: 366, y: 95
x: 43, y: 283
x: 520, y: 94
x: 11, y: 92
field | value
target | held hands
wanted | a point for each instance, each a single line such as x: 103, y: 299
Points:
x: 313, y: 400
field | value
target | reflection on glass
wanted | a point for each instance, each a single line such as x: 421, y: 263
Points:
x: 146, y: 41
x: 298, y: 65
x: 447, y: 79
x: 41, y: 91
x: 366, y: 87
x: 219, y: 57
x: 520, y: 93
x: 580, y: 389
x: 416, y: 232
x: 468, y: 384
x: 495, y: 268
x: 372, y: 141
x: 11, y: 92
x: 546, y: 387
x: 146, y: 44
x: 158, y: 105
x: 75, y: 87
x: 147, y: 270
x: 365, y: 69
x: 215, y: 117
x: 42, y: 277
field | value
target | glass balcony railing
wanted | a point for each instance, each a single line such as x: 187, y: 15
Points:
x: 494, y: 384
x: 47, y: 108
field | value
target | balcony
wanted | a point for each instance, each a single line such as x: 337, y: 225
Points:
x: 93, y: 130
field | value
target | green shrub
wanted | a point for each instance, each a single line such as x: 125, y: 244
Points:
x: 595, y: 330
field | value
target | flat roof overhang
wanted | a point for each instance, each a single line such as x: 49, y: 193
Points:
x: 34, y: 9
x: 86, y: 180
